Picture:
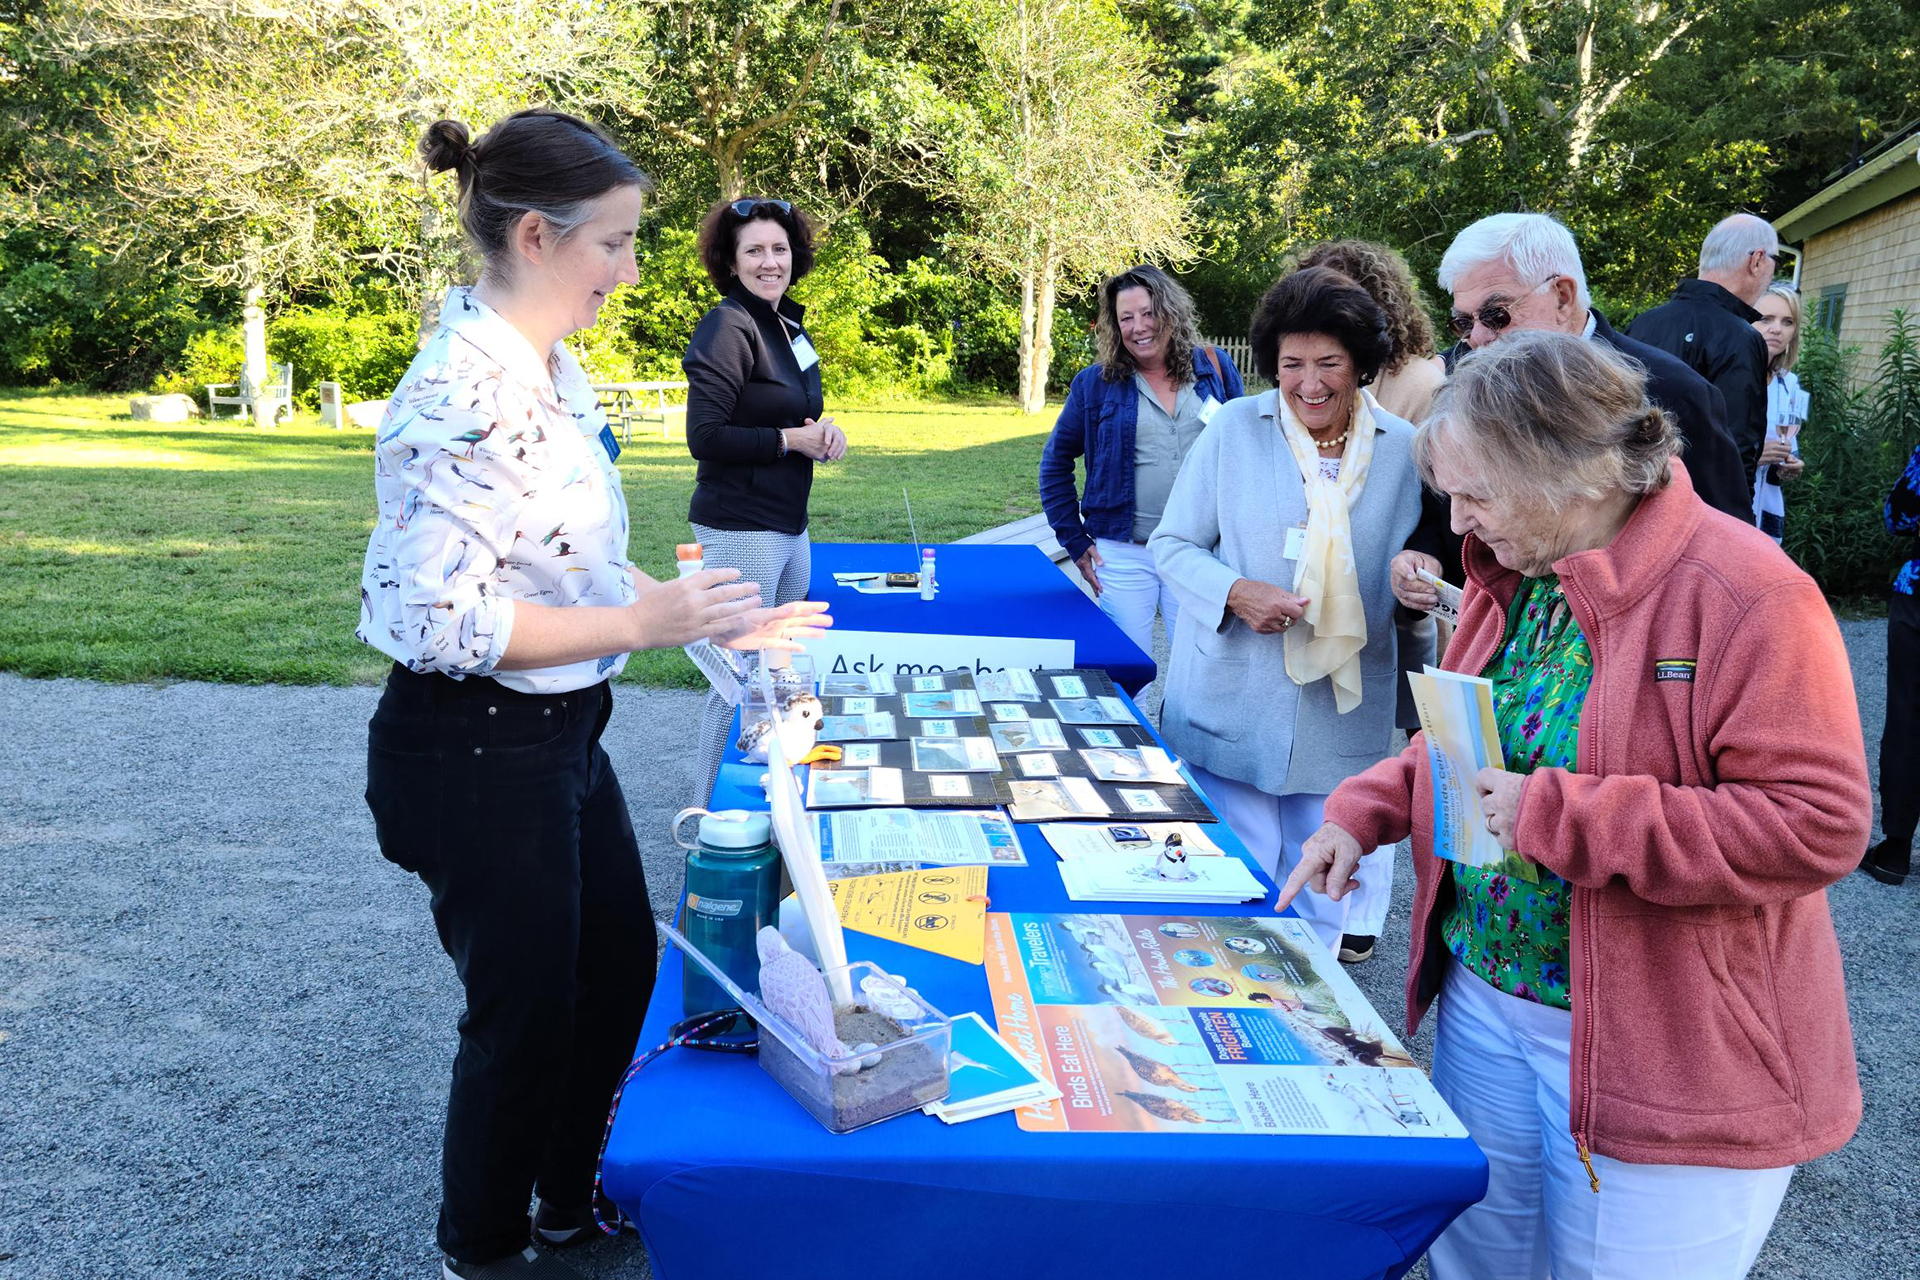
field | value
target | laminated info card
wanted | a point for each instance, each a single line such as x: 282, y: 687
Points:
x: 1048, y: 799
x: 851, y: 728
x: 1028, y: 735
x: 1200, y: 1024
x: 1456, y: 714
x: 946, y: 838
x: 853, y: 788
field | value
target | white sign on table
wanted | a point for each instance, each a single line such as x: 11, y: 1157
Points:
x: 907, y: 653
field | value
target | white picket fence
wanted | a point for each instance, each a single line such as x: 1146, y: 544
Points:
x: 1242, y: 352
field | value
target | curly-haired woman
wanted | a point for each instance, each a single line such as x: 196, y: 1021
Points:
x: 1133, y: 416
x: 1413, y: 373
x: 755, y: 417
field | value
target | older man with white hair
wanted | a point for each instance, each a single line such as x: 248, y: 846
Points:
x: 1709, y: 323
x: 1513, y: 272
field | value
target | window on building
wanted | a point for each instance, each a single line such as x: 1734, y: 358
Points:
x: 1827, y: 308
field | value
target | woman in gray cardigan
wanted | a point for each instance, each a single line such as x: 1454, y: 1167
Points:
x: 1276, y: 540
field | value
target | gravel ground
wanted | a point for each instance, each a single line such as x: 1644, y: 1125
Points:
x: 225, y: 1023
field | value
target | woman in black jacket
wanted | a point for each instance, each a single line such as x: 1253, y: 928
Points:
x: 754, y: 416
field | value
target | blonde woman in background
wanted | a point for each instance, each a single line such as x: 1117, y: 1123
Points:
x: 1413, y: 373
x: 1779, y: 326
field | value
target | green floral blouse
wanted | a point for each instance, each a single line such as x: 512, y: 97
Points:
x: 1514, y: 934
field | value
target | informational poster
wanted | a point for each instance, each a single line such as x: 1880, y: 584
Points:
x: 1200, y: 1024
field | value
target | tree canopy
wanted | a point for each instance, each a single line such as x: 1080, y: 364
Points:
x: 973, y: 161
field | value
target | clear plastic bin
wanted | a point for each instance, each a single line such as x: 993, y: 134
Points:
x: 856, y: 1090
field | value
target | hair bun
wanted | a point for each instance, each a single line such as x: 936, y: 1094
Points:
x: 1652, y: 426
x: 447, y: 145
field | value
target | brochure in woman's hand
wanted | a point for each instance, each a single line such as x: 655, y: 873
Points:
x: 1456, y: 714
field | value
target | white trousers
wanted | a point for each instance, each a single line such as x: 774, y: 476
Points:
x: 1501, y: 1064
x: 1274, y: 827
x: 1131, y: 591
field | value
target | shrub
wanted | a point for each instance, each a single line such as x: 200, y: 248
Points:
x: 69, y: 314
x: 644, y: 327
x: 989, y: 359
x: 848, y: 297
x: 865, y: 319
x: 363, y: 344
x: 209, y: 356
x: 1856, y: 442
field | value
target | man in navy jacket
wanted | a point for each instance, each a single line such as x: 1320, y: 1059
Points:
x: 1708, y: 323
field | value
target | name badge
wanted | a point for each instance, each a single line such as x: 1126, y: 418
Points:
x: 804, y: 353
x: 1208, y: 408
x: 1296, y: 543
x: 611, y: 445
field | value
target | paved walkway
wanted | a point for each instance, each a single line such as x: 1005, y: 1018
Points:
x: 225, y: 1024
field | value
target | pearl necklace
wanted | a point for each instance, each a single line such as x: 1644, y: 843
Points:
x: 1334, y: 443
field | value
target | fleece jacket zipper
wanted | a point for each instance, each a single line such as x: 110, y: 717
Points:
x: 1581, y: 917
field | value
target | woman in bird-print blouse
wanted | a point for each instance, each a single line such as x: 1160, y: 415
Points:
x: 497, y: 579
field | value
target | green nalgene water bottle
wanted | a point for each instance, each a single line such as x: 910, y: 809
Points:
x: 733, y: 888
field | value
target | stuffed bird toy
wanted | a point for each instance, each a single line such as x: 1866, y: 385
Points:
x: 799, y: 724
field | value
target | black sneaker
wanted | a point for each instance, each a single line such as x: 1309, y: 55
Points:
x: 1356, y: 948
x: 528, y: 1264
x: 558, y: 1230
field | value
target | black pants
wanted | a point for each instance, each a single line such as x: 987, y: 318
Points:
x: 1900, y: 741
x: 506, y: 806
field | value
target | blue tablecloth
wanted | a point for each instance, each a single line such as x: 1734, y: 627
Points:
x: 985, y: 590
x: 727, y: 1175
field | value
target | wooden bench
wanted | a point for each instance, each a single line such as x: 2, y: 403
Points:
x: 276, y: 396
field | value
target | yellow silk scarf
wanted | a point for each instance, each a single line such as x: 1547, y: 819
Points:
x: 1336, y: 616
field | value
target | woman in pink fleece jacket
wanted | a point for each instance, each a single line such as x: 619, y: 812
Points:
x: 1647, y: 1040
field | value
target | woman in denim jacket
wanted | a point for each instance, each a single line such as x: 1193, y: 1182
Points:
x: 1133, y: 417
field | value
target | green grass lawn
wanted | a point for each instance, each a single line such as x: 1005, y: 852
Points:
x: 142, y: 551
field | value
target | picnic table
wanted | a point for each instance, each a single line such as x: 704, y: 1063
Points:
x: 629, y: 402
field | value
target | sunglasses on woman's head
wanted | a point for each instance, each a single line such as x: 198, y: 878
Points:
x: 747, y: 208
x: 1495, y: 315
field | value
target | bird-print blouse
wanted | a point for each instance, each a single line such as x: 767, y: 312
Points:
x: 1509, y: 933
x: 494, y: 471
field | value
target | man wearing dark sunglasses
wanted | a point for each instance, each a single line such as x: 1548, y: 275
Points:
x: 1517, y: 271
x: 1708, y: 323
